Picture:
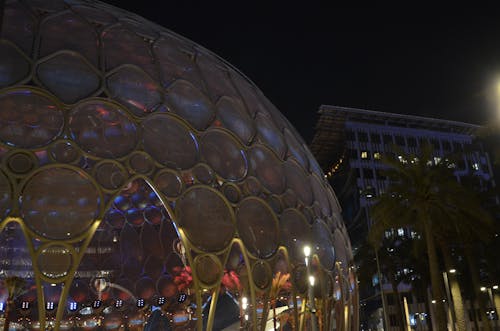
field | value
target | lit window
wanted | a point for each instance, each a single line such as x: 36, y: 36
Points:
x: 118, y: 303
x: 73, y: 306
x: 437, y: 159
x: 140, y: 303
x: 25, y: 305
x: 377, y: 156
x: 161, y: 301
x: 401, y: 232
x: 475, y: 166
x: 402, y: 159
x: 364, y: 154
x: 49, y: 306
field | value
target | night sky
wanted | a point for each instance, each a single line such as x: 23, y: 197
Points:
x: 442, y: 63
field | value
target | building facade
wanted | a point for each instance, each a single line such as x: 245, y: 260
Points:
x: 349, y: 144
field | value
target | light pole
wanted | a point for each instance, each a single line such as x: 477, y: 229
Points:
x: 451, y: 309
x: 495, y: 301
x: 310, y: 288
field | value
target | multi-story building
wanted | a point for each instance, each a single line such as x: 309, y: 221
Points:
x: 349, y: 144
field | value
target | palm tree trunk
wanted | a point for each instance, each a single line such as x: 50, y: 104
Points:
x: 476, y: 284
x: 8, y: 307
x: 456, y: 295
x: 436, y: 279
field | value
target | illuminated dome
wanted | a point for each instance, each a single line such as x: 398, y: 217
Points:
x: 145, y: 181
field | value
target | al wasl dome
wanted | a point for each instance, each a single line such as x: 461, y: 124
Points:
x: 146, y: 184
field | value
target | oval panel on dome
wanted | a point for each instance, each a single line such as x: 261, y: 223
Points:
x: 5, y: 195
x: 224, y: 154
x: 169, y: 141
x: 206, y: 218
x: 122, y: 46
x: 102, y: 129
x: 133, y: 88
x: 68, y: 76
x: 270, y: 135
x: 267, y: 168
x: 208, y: 269
x: 297, y: 180
x: 320, y: 195
x: 169, y: 183
x: 175, y: 58
x: 69, y: 32
x: 28, y: 119
x: 257, y: 227
x: 215, y: 75
x: 54, y: 261
x: 295, y: 149
x: 64, y: 151
x: 294, y: 232
x: 232, y: 115
x: 323, y: 244
x: 110, y: 175
x: 59, y: 203
x: 14, y: 67
x: 340, y: 248
x: 191, y: 104
x: 262, y: 274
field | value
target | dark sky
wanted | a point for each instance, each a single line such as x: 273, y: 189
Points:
x: 437, y: 62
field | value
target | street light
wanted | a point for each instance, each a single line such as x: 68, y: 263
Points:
x: 310, y: 288
x: 495, y: 301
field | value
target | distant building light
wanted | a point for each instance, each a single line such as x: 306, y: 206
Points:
x: 377, y: 156
x: 140, y: 303
x: 118, y: 303
x: 437, y: 159
x: 452, y: 271
x: 49, y: 305
x: 495, y: 287
x: 25, y: 305
x: 475, y: 166
x: 73, y: 306
x: 364, y: 154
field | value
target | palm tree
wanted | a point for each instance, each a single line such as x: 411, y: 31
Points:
x: 15, y: 286
x: 425, y: 196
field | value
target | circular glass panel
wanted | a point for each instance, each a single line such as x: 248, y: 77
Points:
x: 207, y: 269
x: 54, y: 261
x: 257, y: 227
x: 188, y: 102
x: 110, y: 175
x: 141, y: 163
x: 28, y: 119
x: 169, y: 141
x: 298, y: 182
x: 270, y: 134
x: 102, y: 129
x: 21, y: 163
x: 64, y: 152
x: 223, y: 153
x: 168, y: 183
x: 5, y: 195
x: 295, y: 232
x: 320, y: 195
x: 323, y: 244
x: 267, y: 168
x: 206, y: 217
x: 261, y: 273
x: 59, y: 203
